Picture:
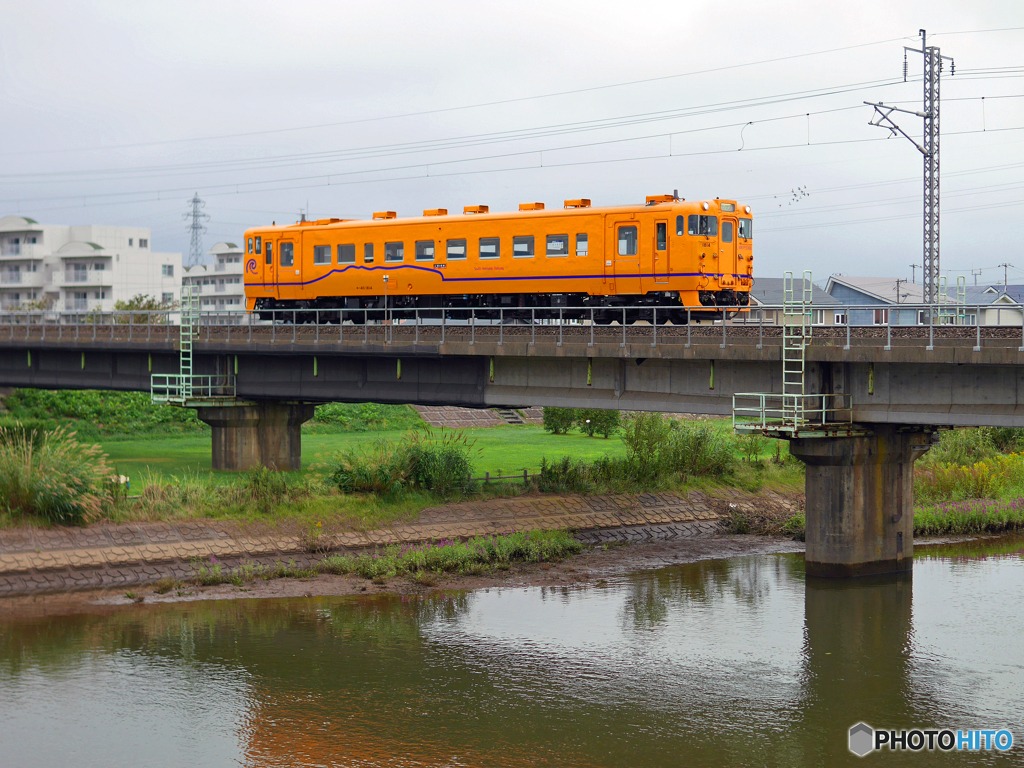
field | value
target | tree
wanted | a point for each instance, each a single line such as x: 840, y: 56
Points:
x: 144, y: 304
x: 607, y: 422
x: 559, y: 420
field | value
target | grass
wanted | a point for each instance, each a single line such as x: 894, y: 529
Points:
x: 507, y: 450
x: 420, y: 562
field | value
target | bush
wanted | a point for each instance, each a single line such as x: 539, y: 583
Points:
x: 442, y: 466
x: 365, y: 417
x: 645, y: 436
x: 267, y: 487
x: 558, y: 421
x: 697, y: 450
x: 51, y: 475
x: 384, y: 468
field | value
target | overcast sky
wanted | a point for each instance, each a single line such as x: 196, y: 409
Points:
x: 116, y: 112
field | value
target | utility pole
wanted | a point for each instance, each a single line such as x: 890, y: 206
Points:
x: 898, y: 281
x: 195, y: 251
x: 930, y: 150
x: 976, y: 273
x: 1005, y: 266
x: 913, y: 273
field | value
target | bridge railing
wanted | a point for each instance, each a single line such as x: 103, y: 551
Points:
x: 180, y: 390
x: 792, y: 414
x: 843, y: 325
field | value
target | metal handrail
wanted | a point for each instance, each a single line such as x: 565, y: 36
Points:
x: 790, y: 413
x: 339, y: 325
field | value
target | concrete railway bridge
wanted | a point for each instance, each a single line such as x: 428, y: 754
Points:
x: 257, y: 383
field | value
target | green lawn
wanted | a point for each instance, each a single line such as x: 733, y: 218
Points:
x: 508, y: 450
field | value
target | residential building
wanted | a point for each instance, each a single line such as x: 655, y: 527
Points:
x: 880, y: 301
x: 76, y: 268
x: 770, y: 292
x: 220, y: 286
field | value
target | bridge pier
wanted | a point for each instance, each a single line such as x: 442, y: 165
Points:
x: 860, y: 500
x: 267, y: 434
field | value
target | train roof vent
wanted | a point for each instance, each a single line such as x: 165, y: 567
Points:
x: 385, y: 215
x: 436, y: 212
x: 475, y: 209
x: 321, y: 222
x: 583, y: 202
x: 531, y: 206
x: 655, y: 199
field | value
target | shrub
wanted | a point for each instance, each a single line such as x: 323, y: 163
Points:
x: 645, y: 436
x: 51, y: 475
x: 442, y: 465
x: 558, y: 421
x: 697, y: 450
x: 752, y: 445
x: 384, y: 468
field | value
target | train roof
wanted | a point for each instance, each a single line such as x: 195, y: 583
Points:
x: 530, y: 210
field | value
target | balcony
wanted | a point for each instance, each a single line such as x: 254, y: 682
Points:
x: 78, y: 277
x: 21, y: 279
x: 21, y: 251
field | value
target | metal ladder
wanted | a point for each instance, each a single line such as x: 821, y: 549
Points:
x: 797, y: 325
x: 187, y: 331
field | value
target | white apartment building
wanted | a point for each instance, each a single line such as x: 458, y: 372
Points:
x: 75, y: 268
x: 220, y: 286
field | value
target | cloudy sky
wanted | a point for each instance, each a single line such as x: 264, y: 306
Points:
x: 117, y: 112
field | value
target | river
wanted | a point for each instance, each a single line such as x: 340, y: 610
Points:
x: 735, y: 662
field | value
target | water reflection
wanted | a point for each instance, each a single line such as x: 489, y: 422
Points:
x: 731, y: 662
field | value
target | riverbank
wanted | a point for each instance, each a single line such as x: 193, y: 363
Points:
x: 121, y: 556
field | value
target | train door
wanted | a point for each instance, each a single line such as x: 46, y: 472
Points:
x: 288, y: 277
x: 625, y: 253
x: 727, y: 252
x: 270, y: 267
x: 661, y: 262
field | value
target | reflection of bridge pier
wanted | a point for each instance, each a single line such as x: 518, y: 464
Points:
x: 858, y: 636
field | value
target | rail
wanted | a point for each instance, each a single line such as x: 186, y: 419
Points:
x: 758, y: 326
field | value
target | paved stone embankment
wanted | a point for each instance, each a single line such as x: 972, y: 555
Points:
x: 106, y: 556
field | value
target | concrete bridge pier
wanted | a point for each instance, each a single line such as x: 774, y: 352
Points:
x: 860, y: 500
x: 266, y: 433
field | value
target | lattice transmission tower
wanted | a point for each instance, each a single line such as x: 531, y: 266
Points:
x: 195, y: 251
x: 929, y: 147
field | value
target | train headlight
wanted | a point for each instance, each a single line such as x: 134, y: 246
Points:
x: 704, y: 206
x: 746, y: 209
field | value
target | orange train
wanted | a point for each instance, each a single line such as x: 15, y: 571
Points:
x: 668, y: 253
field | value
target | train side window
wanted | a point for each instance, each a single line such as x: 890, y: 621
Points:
x: 259, y: 244
x: 490, y: 247
x: 558, y: 245
x: 287, y: 257
x: 321, y: 254
x: 662, y: 235
x: 368, y: 253
x: 394, y: 251
x: 270, y: 252
x: 627, y: 241
x: 680, y: 225
x: 347, y: 253
x: 424, y: 250
x: 250, y: 245
x: 456, y: 250
x: 522, y: 247
x: 726, y: 231
x: 746, y: 229
x: 581, y: 244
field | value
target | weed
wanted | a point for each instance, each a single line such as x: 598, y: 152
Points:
x: 51, y: 475
x: 425, y: 578
x: 163, y: 586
